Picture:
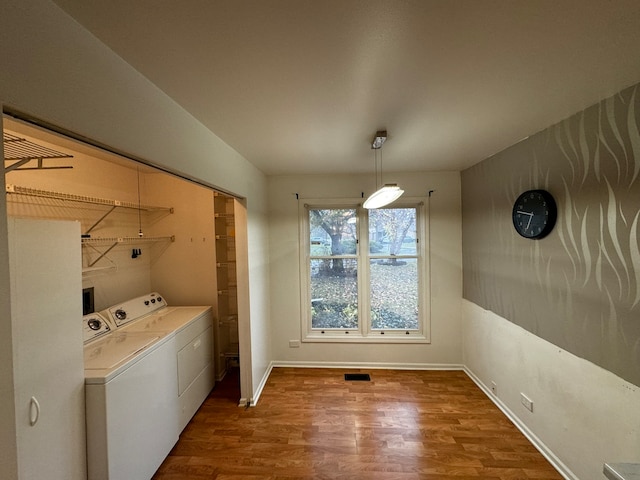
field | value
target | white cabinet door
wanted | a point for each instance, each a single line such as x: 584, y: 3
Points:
x: 46, y: 312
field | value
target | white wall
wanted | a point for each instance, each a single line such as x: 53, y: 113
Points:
x: 446, y: 258
x: 582, y: 413
x: 185, y: 271
x: 54, y: 70
x: 261, y: 331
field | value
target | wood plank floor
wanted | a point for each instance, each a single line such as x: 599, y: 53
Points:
x: 312, y: 424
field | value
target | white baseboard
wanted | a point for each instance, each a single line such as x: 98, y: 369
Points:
x: 540, y: 446
x: 368, y: 365
x: 221, y: 376
x: 358, y: 365
x: 258, y: 392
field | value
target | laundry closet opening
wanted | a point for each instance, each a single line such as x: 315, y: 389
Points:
x: 143, y: 229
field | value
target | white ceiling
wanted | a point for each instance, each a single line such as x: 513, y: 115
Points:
x: 301, y: 86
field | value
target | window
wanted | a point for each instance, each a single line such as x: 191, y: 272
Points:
x: 363, y: 273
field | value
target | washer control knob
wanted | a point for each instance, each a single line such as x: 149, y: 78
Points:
x: 153, y: 300
x: 94, y: 324
x: 146, y: 302
x: 159, y: 299
x: 121, y: 314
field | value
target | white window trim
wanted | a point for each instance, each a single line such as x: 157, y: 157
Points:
x: 364, y: 333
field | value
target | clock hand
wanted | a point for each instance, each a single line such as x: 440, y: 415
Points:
x: 530, y: 217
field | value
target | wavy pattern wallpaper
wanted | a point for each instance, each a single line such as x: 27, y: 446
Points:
x: 579, y: 287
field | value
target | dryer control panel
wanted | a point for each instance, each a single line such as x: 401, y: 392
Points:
x: 136, y: 308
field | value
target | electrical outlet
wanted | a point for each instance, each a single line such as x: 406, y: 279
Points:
x: 526, y: 401
x: 294, y: 343
x: 494, y: 388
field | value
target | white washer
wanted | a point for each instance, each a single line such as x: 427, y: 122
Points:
x: 130, y: 386
x: 193, y: 329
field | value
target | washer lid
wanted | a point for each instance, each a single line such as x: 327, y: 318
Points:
x: 108, y: 352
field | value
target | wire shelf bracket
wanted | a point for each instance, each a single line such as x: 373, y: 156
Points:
x: 111, y: 243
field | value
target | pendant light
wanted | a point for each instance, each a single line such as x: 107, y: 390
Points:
x: 389, y: 192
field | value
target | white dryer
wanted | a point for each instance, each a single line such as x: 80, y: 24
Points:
x: 130, y: 386
x: 193, y: 330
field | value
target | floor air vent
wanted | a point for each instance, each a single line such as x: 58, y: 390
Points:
x: 362, y: 377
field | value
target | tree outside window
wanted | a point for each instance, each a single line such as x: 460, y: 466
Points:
x: 334, y: 268
x: 369, y: 287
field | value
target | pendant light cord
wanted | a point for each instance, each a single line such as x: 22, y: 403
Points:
x: 381, y: 183
x: 375, y: 169
x: 377, y: 173
x: 140, y: 234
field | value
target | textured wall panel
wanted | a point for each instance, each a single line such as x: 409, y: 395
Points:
x: 579, y: 287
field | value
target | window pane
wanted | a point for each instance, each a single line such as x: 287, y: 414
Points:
x: 392, y: 231
x: 394, y: 294
x: 332, y: 231
x: 334, y: 293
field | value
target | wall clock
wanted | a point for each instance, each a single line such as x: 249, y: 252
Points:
x: 534, y: 214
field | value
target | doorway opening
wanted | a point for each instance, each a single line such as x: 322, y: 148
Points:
x: 144, y: 229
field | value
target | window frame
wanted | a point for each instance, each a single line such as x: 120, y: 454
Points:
x: 364, y: 333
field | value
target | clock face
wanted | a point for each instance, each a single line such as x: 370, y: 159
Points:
x: 534, y: 213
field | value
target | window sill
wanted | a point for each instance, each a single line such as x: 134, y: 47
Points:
x: 356, y: 338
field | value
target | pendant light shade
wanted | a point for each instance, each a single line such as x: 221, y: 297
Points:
x: 389, y: 192
x: 384, y: 196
